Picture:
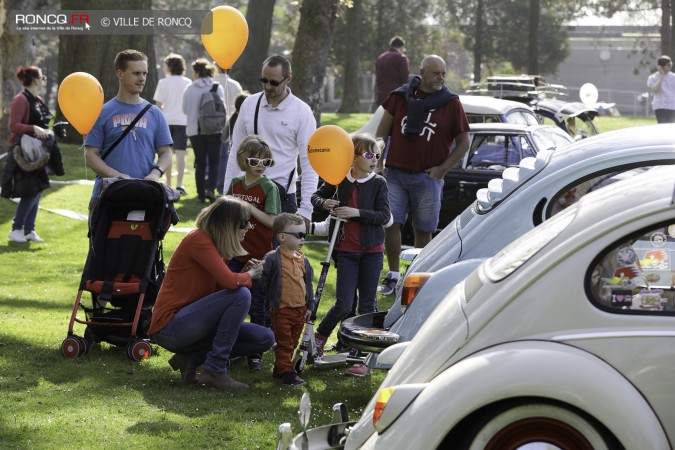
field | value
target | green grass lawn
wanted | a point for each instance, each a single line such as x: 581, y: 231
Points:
x: 104, y: 400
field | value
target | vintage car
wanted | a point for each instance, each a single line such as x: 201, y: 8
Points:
x: 549, y: 101
x: 493, y: 148
x: 562, y: 340
x: 575, y: 118
x: 522, y: 198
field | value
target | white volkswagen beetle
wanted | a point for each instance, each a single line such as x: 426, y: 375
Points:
x: 564, y: 339
x: 522, y: 198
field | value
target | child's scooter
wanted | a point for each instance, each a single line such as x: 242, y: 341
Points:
x: 307, y: 353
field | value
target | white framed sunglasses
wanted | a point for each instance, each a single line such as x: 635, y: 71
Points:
x: 369, y: 155
x: 255, y: 162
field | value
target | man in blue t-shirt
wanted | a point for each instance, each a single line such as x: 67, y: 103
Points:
x: 134, y: 156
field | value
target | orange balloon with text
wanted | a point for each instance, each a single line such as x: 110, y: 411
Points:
x: 330, y: 151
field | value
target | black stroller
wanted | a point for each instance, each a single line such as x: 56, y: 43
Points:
x: 124, y: 267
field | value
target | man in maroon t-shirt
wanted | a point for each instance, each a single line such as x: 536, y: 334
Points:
x: 422, y: 119
x: 391, y: 70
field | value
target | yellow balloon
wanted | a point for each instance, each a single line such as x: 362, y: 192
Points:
x: 80, y: 100
x: 224, y: 35
x: 331, y: 152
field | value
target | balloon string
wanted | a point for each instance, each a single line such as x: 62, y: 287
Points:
x: 84, y: 160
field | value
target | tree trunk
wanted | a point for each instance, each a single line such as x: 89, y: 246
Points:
x: 478, y: 44
x: 671, y: 30
x: 533, y: 35
x: 350, y: 92
x: 17, y: 50
x: 666, y: 12
x: 247, y: 68
x: 311, y: 49
x: 95, y: 54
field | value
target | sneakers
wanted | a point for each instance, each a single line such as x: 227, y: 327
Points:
x: 254, y: 364
x: 291, y: 379
x: 182, y: 190
x: 220, y: 380
x: 319, y: 343
x: 33, y: 236
x: 358, y: 370
x: 388, y: 285
x: 17, y: 236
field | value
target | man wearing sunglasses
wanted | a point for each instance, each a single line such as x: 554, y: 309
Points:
x: 286, y: 123
x: 423, y: 119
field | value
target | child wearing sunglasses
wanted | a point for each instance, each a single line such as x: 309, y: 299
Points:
x: 287, y: 279
x: 361, y: 198
x: 254, y: 156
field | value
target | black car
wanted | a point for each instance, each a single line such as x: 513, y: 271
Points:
x: 493, y: 148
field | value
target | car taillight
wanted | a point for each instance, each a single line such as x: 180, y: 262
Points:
x: 411, y: 285
x: 381, y: 402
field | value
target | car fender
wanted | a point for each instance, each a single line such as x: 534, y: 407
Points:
x: 546, y: 370
x: 431, y: 295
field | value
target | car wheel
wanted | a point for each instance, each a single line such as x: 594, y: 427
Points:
x: 544, y: 425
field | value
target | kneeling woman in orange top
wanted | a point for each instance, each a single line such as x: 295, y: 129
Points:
x: 200, y: 309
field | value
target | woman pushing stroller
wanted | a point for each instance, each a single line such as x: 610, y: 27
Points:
x: 200, y: 309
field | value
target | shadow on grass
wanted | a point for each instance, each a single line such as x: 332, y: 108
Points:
x: 17, y: 304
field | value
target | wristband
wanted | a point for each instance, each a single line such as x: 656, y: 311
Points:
x: 159, y: 169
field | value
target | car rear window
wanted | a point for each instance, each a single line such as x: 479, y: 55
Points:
x: 635, y: 275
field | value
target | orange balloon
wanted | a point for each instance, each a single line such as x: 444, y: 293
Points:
x: 80, y: 100
x: 331, y: 152
x: 224, y: 35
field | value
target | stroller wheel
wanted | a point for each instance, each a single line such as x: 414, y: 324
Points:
x: 139, y: 350
x: 70, y: 347
x: 84, y: 346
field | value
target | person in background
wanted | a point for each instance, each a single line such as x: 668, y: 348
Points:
x: 169, y: 98
x: 200, y: 308
x: 391, y: 70
x: 423, y: 119
x: 29, y: 115
x: 287, y: 280
x: 286, y: 123
x: 662, y: 85
x: 205, y: 146
x: 134, y: 157
x: 362, y: 199
x: 254, y: 156
x: 232, y: 91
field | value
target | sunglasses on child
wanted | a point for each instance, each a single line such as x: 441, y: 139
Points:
x: 274, y: 83
x: 299, y: 235
x: 369, y: 155
x: 255, y: 162
x: 244, y: 224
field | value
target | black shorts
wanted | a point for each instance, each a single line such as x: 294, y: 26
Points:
x: 179, y: 136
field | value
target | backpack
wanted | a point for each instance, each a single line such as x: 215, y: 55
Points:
x: 211, y: 116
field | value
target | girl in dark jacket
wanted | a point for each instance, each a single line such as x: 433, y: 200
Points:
x: 362, y: 199
x: 29, y: 115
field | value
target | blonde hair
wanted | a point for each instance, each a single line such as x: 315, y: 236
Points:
x: 221, y: 221
x: 365, y: 143
x: 253, y: 146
